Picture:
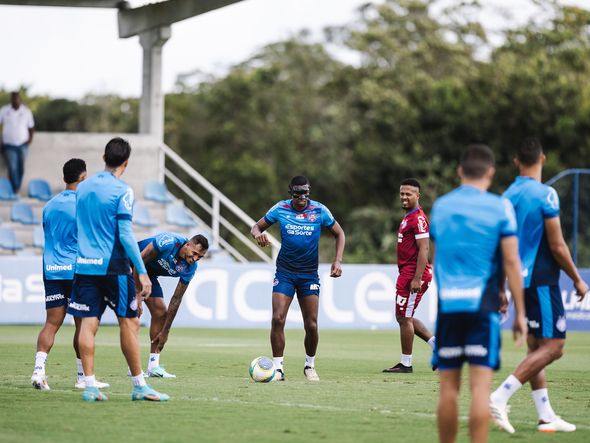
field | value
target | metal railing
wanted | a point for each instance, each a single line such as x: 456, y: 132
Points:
x: 219, y: 201
x: 576, y: 203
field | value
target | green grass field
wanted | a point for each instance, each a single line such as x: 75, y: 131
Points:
x: 213, y: 398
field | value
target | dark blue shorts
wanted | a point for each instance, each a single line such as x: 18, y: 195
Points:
x: 157, y: 291
x: 545, y: 312
x: 472, y: 337
x: 91, y: 294
x: 57, y: 293
x: 288, y: 283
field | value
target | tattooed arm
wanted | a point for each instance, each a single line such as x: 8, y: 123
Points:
x: 162, y: 336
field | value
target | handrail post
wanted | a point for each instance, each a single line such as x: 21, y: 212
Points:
x: 215, y: 221
x: 576, y: 197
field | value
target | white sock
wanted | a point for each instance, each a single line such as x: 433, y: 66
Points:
x: 278, y: 362
x: 407, y: 360
x: 431, y: 341
x: 40, y: 360
x: 309, y: 361
x: 544, y: 409
x: 153, y: 361
x: 506, y: 390
x: 90, y: 381
x: 80, y: 369
x: 138, y: 380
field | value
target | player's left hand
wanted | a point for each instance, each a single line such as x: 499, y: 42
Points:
x: 336, y: 270
x: 139, y: 306
x: 415, y: 285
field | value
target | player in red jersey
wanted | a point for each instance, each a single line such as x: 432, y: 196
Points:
x: 415, y: 273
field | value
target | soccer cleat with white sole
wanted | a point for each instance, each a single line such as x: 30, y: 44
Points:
x: 81, y: 384
x: 557, y: 425
x: 311, y: 374
x: 279, y: 375
x: 159, y: 372
x: 40, y: 382
x: 500, y: 415
x: 93, y: 394
x: 146, y: 392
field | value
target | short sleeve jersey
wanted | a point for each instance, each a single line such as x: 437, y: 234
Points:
x: 414, y: 226
x: 61, y: 243
x: 467, y: 228
x: 16, y: 124
x: 300, y: 234
x: 101, y: 201
x: 168, y: 263
x: 533, y: 203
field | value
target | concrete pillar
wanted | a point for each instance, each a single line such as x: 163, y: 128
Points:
x: 151, y: 107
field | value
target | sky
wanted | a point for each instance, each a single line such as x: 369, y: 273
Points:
x: 71, y: 52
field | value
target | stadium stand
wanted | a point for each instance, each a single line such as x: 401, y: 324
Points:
x: 142, y: 216
x: 39, y: 189
x: 177, y: 214
x: 38, y: 237
x: 8, y: 241
x: 157, y: 191
x: 23, y: 213
x: 6, y: 192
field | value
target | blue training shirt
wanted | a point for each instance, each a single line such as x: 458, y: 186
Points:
x: 533, y: 203
x: 102, y: 200
x: 300, y: 234
x: 168, y: 263
x: 61, y: 243
x: 466, y: 226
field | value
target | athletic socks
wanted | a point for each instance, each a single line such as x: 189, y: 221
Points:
x: 80, y: 369
x: 431, y: 341
x: 309, y: 361
x: 506, y: 390
x: 90, y: 381
x: 138, y: 380
x: 278, y: 362
x: 406, y: 360
x: 40, y: 360
x: 154, y: 361
x: 544, y: 409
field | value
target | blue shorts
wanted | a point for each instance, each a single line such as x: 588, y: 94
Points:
x: 91, y: 294
x: 288, y: 283
x: 157, y: 291
x: 472, y: 337
x: 545, y: 312
x: 57, y: 293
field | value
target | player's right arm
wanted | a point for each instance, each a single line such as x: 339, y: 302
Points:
x: 258, y: 233
x: 512, y: 270
x: 562, y: 256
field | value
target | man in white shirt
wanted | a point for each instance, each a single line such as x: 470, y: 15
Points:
x: 17, y: 134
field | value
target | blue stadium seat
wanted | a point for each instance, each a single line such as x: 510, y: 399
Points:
x: 39, y: 189
x: 156, y: 191
x: 8, y: 240
x: 23, y: 213
x: 38, y: 237
x: 142, y: 217
x: 178, y: 215
x: 6, y: 192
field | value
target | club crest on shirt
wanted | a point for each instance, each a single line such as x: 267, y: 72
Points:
x: 561, y: 324
x: 404, y: 224
x: 180, y: 267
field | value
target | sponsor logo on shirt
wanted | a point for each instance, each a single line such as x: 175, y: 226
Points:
x: 128, y: 199
x: 553, y: 199
x: 54, y: 297
x: 462, y: 293
x: 166, y: 266
x: 69, y: 267
x: 79, y: 306
x: 300, y: 217
x: 165, y: 240
x: 421, y: 223
x: 90, y: 261
x: 299, y: 230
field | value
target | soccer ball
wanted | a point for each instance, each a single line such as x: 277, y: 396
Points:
x: 262, y: 369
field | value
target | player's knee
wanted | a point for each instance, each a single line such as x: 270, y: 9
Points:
x: 278, y: 320
x: 403, y: 321
x: 557, y: 351
x: 310, y: 325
